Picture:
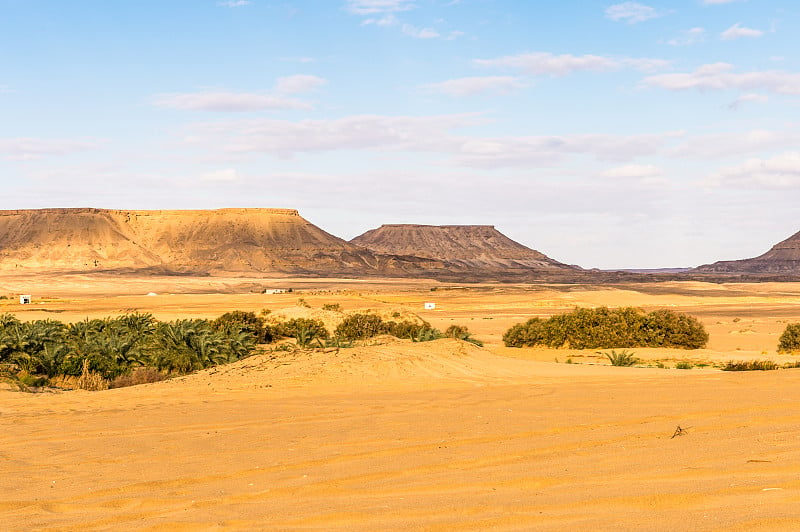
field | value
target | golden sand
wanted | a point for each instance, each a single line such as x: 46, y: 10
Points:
x: 413, y: 436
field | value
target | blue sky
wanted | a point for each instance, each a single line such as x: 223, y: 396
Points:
x: 605, y: 134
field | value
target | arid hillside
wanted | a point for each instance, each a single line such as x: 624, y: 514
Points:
x: 784, y: 257
x: 231, y: 240
x: 477, y: 247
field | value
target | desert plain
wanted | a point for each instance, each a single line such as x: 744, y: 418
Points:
x: 397, y: 435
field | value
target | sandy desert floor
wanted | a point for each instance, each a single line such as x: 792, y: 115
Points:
x: 404, y: 436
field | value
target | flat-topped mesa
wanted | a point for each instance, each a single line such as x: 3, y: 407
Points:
x: 92, y: 210
x: 783, y: 257
x: 476, y: 247
x: 224, y: 240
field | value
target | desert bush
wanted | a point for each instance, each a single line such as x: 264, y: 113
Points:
x: 622, y: 358
x: 239, y: 320
x: 750, y: 365
x: 790, y: 339
x: 528, y: 334
x: 339, y: 343
x: 360, y: 326
x: 334, y: 307
x: 684, y: 365
x: 405, y: 328
x: 603, y: 328
x: 31, y: 381
x: 303, y: 327
x: 427, y: 334
x: 461, y: 332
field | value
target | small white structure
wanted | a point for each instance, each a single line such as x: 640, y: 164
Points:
x: 274, y: 291
x: 151, y: 294
x: 430, y: 306
x: 25, y: 299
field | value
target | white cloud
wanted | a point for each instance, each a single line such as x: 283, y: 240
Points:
x: 725, y: 145
x: 471, y: 86
x: 427, y: 134
x: 368, y: 7
x: 719, y: 76
x: 226, y: 175
x: 388, y: 20
x: 235, y: 3
x: 750, y: 97
x: 25, y: 149
x: 539, y: 63
x: 632, y: 12
x: 299, y: 83
x: 781, y: 171
x: 386, y: 10
x: 550, y: 150
x: 420, y: 33
x: 361, y: 132
x: 689, y: 37
x: 298, y: 59
x: 633, y: 171
x: 737, y: 30
x: 227, y: 102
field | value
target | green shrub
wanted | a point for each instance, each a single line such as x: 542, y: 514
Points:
x: 623, y: 358
x: 427, y: 334
x: 360, y: 326
x: 461, y: 332
x: 239, y: 320
x: 790, y: 339
x: 365, y: 325
x: 405, y: 328
x: 305, y: 329
x: 684, y: 365
x: 335, y: 307
x: 603, y: 328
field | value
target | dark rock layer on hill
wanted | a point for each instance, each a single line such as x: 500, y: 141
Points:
x: 783, y: 258
x: 476, y: 248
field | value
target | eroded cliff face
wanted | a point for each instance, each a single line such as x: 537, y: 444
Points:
x: 229, y: 240
x: 476, y: 247
x: 783, y: 257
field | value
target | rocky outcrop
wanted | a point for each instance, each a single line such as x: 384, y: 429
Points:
x: 476, y: 248
x: 783, y: 258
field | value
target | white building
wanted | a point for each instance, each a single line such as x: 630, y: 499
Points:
x: 274, y: 291
x: 430, y: 306
x: 25, y: 299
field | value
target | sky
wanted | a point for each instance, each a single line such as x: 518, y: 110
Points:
x: 604, y: 134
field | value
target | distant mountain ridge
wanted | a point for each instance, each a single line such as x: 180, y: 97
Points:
x: 232, y: 240
x: 783, y: 257
x: 473, y: 247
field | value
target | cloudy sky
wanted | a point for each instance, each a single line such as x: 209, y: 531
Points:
x: 629, y: 134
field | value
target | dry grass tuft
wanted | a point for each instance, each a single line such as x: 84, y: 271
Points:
x: 750, y: 365
x: 88, y: 380
x: 138, y: 376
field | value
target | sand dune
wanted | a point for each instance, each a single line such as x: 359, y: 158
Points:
x: 401, y: 436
